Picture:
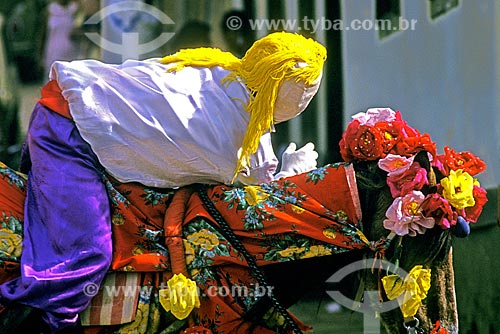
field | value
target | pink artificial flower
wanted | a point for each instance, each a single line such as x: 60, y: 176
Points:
x: 414, y: 178
x: 404, y: 216
x: 406, y: 130
x: 395, y: 164
x: 375, y: 115
x: 438, y: 163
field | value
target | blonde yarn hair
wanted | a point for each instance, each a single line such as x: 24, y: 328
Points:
x: 268, y: 62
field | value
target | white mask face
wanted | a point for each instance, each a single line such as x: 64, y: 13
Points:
x: 293, y: 98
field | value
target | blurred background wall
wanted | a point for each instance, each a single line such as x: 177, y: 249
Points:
x: 443, y: 75
x: 438, y: 62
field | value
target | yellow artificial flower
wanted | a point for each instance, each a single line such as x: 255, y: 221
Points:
x: 10, y: 243
x: 254, y: 195
x: 181, y: 296
x: 458, y: 189
x: 204, y: 238
x: 413, y: 288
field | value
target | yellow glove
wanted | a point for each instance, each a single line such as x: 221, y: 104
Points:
x: 180, y: 297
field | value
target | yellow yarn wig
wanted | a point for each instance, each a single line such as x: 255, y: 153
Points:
x: 268, y: 62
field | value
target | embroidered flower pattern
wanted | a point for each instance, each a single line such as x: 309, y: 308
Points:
x: 10, y: 244
x: 204, y: 238
x: 11, y: 222
x: 13, y: 177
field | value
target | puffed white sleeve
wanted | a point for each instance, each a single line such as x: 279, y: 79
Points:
x: 263, y: 164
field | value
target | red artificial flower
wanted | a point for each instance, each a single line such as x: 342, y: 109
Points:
x: 381, y: 133
x: 406, y: 130
x: 395, y: 131
x: 440, y: 209
x: 466, y: 161
x: 414, y: 178
x: 361, y: 142
x: 197, y: 330
x: 472, y: 213
x: 412, y: 145
x: 391, y: 132
x: 347, y: 137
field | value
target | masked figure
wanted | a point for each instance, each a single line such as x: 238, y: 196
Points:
x: 197, y: 116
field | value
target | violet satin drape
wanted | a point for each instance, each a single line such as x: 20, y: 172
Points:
x: 67, y: 241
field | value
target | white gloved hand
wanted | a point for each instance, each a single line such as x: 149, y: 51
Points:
x: 295, y: 161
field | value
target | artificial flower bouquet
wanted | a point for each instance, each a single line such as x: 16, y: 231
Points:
x: 447, y: 194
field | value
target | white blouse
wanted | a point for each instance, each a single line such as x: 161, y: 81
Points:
x: 162, y: 129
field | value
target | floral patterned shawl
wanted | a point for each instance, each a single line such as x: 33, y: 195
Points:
x: 309, y: 215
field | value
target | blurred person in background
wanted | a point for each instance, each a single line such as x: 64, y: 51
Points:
x: 60, y: 42
x: 25, y: 35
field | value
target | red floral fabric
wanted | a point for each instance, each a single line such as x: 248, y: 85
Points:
x: 308, y: 215
x: 321, y: 207
x: 12, y: 194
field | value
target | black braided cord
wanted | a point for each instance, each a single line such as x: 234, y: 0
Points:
x: 238, y: 245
